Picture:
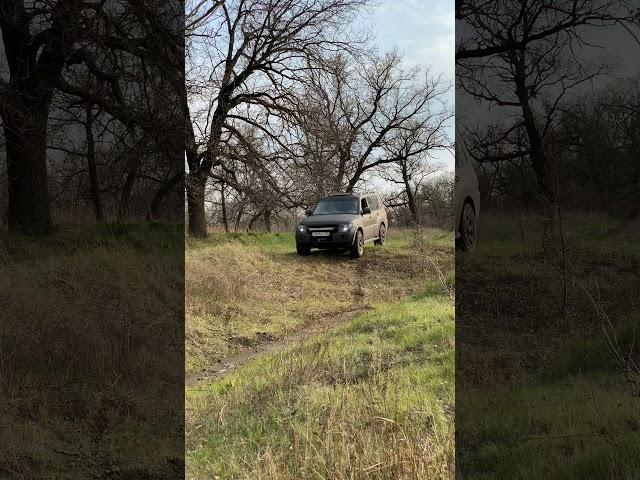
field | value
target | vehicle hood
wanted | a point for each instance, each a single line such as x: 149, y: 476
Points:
x: 333, y: 218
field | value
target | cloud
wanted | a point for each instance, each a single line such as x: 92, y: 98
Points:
x: 424, y: 32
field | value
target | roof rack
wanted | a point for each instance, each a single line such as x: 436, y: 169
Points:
x: 352, y: 194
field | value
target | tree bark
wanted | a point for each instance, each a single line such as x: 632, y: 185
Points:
x: 239, y: 217
x: 196, y: 183
x: 411, y: 198
x: 538, y: 156
x: 162, y: 193
x: 267, y: 220
x: 253, y: 219
x: 25, y: 130
x: 94, y: 189
x: 127, y: 188
x: 223, y: 200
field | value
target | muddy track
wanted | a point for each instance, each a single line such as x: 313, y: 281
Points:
x: 225, y: 366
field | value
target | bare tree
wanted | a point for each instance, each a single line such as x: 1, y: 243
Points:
x: 121, y: 57
x: 245, y: 55
x: 38, y: 39
x: 413, y: 148
x: 362, y: 113
x: 517, y: 54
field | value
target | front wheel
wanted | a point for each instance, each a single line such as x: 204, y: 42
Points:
x: 468, y: 229
x: 358, y: 245
x: 304, y: 251
x: 382, y: 235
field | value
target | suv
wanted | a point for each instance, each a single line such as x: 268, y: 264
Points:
x: 343, y: 221
x: 467, y: 200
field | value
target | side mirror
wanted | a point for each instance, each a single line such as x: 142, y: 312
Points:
x: 366, y: 211
x: 308, y: 212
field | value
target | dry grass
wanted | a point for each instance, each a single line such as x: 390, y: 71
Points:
x: 83, y: 316
x: 374, y: 400
x: 243, y: 290
x: 541, y: 393
x: 370, y: 400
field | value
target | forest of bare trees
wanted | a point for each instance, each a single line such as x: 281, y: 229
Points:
x: 289, y: 101
x: 91, y: 115
x: 549, y: 142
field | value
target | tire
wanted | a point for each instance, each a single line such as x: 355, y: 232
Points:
x: 304, y: 251
x: 468, y: 229
x: 382, y: 235
x: 357, y: 249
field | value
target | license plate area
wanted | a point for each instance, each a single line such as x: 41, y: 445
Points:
x: 321, y: 234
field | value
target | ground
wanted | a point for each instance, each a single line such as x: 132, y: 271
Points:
x: 367, y: 393
x: 91, y: 353
x: 540, y: 391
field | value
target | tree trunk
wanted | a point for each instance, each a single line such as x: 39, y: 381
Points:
x: 127, y: 188
x: 25, y: 130
x: 253, y: 219
x: 267, y: 220
x: 223, y: 200
x: 351, y: 185
x: 196, y: 184
x: 162, y: 193
x: 91, y: 163
x: 239, y: 217
x: 411, y: 198
x: 538, y: 157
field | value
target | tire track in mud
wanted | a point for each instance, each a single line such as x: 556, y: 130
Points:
x: 321, y: 325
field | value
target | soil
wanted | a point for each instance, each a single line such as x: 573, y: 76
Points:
x: 267, y: 345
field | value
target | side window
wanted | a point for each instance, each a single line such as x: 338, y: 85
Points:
x: 363, y: 203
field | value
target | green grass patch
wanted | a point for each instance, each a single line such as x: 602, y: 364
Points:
x: 373, y: 400
x: 540, y: 392
x: 578, y: 427
x: 247, y: 289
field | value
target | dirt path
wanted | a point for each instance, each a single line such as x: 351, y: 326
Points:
x: 318, y: 326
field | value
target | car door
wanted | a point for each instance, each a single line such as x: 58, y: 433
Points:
x: 382, y: 214
x: 374, y: 204
x: 462, y: 167
x: 368, y: 219
x: 466, y: 185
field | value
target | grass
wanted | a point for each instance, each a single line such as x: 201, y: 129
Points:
x: 539, y: 392
x: 246, y: 289
x: 372, y: 399
x: 91, y: 352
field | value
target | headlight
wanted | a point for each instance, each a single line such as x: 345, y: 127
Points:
x: 301, y: 228
x: 345, y: 227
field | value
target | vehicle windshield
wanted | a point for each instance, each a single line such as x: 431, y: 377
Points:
x: 333, y: 205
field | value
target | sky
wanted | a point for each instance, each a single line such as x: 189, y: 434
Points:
x: 614, y: 44
x: 424, y: 32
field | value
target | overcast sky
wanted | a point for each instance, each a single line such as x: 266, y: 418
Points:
x: 424, y: 31
x: 613, y: 44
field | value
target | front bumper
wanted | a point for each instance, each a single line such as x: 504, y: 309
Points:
x: 335, y: 240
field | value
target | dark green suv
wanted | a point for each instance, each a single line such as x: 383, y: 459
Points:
x: 343, y: 221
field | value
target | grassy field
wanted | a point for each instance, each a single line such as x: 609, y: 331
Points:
x: 540, y: 393
x: 369, y: 399
x: 243, y: 290
x: 91, y: 353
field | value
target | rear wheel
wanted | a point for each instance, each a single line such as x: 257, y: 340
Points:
x: 358, y: 245
x: 468, y: 229
x: 382, y: 235
x: 303, y: 250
